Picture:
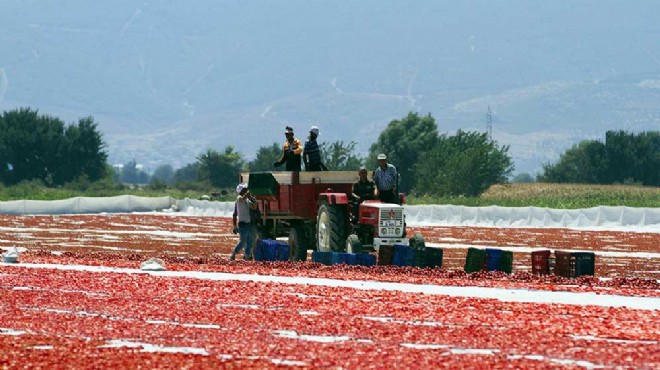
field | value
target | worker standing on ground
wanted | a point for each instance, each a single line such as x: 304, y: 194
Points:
x: 312, y: 152
x: 242, y: 222
x: 386, y: 178
x: 291, y: 151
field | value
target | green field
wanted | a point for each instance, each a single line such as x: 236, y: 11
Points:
x: 561, y: 196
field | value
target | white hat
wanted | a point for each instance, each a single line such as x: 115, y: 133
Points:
x: 315, y: 130
x: 382, y: 156
x: 240, y: 187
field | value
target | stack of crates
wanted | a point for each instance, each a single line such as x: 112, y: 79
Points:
x: 475, y: 260
x: 499, y: 260
x: 385, y: 254
x: 366, y: 259
x: 433, y: 257
x: 574, y: 264
x: 407, y: 256
x: 271, y: 250
x: 348, y: 258
x: 324, y: 258
x: 333, y: 258
x: 541, y: 262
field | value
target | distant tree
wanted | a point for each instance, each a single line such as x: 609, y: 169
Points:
x: 338, y: 156
x: 131, y: 174
x: 85, y: 151
x: 187, y: 173
x: 465, y: 164
x: 624, y: 158
x: 220, y: 170
x: 164, y: 173
x: 37, y: 147
x: 404, y: 142
x: 265, y: 157
x: 584, y: 163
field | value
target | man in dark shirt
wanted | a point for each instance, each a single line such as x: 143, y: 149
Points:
x: 312, y: 153
x: 363, y: 189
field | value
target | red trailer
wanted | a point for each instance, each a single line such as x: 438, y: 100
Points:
x: 314, y: 209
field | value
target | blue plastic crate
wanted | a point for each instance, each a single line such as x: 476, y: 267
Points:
x: 322, y: 257
x: 348, y: 258
x: 366, y: 259
x: 493, y: 259
x: 334, y: 258
x: 403, y: 255
x: 283, y: 250
x: 266, y: 250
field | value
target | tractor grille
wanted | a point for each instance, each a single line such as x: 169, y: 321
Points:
x: 390, y: 223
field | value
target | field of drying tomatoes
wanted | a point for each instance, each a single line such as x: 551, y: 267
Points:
x: 77, y: 299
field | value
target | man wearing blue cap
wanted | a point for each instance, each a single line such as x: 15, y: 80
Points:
x: 386, y: 178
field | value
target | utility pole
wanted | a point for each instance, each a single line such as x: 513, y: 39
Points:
x: 489, y: 124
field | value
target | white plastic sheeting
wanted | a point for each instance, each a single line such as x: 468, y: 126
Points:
x: 78, y: 205
x: 436, y: 215
x: 418, y: 215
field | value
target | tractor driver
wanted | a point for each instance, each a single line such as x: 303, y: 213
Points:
x: 363, y: 189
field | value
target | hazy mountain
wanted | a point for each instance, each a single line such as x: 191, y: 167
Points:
x: 169, y: 79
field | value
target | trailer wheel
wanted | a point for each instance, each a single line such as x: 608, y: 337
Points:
x: 330, y: 228
x: 353, y: 244
x: 298, y: 241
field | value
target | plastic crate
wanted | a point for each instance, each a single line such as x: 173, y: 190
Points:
x: 366, y: 259
x: 563, y: 263
x: 433, y: 257
x: 266, y: 250
x: 283, y: 251
x: 584, y: 263
x: 574, y: 264
x: 506, y: 262
x: 322, y: 257
x: 475, y: 260
x: 494, y: 259
x: 385, y: 254
x: 541, y: 262
x: 348, y: 258
x: 403, y: 255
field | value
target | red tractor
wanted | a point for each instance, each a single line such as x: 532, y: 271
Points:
x: 314, y: 210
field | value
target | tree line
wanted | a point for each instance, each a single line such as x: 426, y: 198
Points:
x: 42, y: 148
x: 624, y: 158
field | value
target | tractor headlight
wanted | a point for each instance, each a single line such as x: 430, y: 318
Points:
x: 397, y: 231
x: 383, y: 231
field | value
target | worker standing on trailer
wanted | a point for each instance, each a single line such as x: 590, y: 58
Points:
x: 291, y: 151
x: 386, y: 178
x: 312, y: 152
x: 363, y: 189
x: 242, y: 222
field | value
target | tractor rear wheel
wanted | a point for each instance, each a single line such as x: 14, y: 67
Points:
x: 298, y: 242
x: 331, y: 227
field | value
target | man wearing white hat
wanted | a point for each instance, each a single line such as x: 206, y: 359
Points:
x: 241, y: 220
x: 312, y: 153
x: 386, y: 178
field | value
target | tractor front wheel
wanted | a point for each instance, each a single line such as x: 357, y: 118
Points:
x: 353, y: 244
x: 331, y: 227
